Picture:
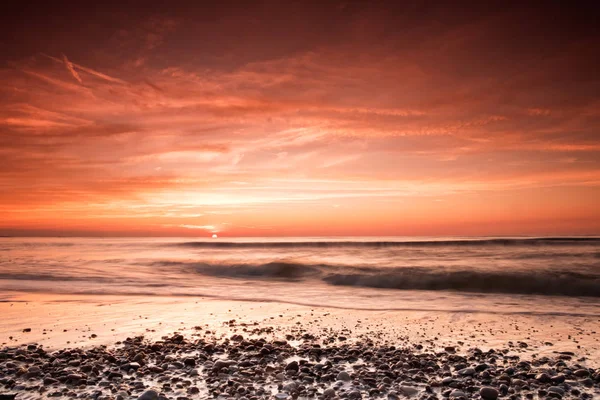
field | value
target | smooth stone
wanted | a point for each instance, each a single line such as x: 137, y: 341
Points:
x: 34, y: 371
x: 488, y: 393
x: 467, y: 371
x: 190, y: 362
x: 220, y: 364
x: 329, y: 393
x: 582, y: 373
x: 557, y: 390
x: 292, y: 366
x: 481, y: 367
x: 457, y: 393
x: 408, y: 390
x: 344, y: 376
x: 149, y: 395
x: 543, y: 377
x: 290, y: 387
x: 519, y: 382
x: 503, y: 389
x: 355, y: 394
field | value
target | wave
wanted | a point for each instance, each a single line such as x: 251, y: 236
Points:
x: 547, y: 282
x: 529, y: 241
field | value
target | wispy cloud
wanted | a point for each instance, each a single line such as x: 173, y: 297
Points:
x: 71, y: 69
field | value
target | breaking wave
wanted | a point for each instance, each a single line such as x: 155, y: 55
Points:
x: 551, y: 283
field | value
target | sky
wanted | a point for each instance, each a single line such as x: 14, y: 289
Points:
x: 298, y: 118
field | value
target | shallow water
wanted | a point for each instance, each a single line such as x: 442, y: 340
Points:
x: 558, y: 276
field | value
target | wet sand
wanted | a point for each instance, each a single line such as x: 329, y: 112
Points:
x: 58, y: 321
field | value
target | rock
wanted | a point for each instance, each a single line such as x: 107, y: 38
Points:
x: 290, y: 387
x: 220, y: 364
x: 481, y: 367
x: 582, y: 373
x: 149, y: 395
x: 488, y: 393
x: 456, y: 393
x: 292, y: 366
x: 75, y: 377
x: 115, y: 375
x: 557, y: 390
x: 543, y: 377
x: 343, y: 376
x: 190, y: 362
x: 503, y: 389
x: 281, y: 396
x: 589, y: 382
x: 467, y: 371
x: 355, y: 394
x: 519, y: 382
x: 329, y: 393
x: 408, y: 390
x: 132, y: 365
x: 176, y: 365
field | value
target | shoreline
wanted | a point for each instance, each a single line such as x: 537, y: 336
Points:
x: 252, y: 360
x: 61, y: 321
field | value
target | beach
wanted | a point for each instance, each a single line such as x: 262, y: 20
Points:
x: 254, y: 331
x: 127, y: 326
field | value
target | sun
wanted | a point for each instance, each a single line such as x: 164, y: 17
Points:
x: 214, y: 236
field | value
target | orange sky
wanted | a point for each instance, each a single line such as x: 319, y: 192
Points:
x: 294, y: 118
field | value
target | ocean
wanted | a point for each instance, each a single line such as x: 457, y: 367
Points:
x: 558, y: 276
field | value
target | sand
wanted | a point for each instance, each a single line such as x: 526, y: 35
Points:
x: 59, y: 321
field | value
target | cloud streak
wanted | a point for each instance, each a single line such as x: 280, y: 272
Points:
x: 71, y: 68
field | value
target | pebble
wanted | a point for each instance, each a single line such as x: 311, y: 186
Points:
x: 149, y: 395
x: 250, y: 368
x: 408, y: 390
x: 582, y: 373
x: 343, y: 376
x: 557, y: 390
x: 292, y: 366
x: 456, y: 393
x: 488, y: 393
